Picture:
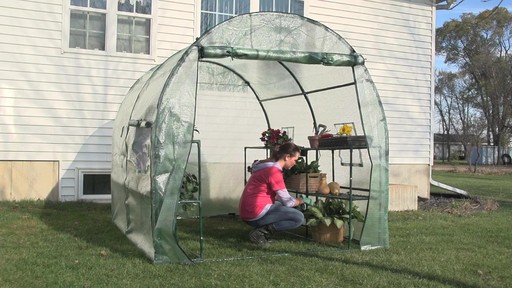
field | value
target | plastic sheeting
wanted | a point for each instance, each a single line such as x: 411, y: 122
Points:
x: 284, y: 59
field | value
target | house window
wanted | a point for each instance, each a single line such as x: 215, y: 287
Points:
x: 94, y: 184
x: 129, y: 29
x: 133, y: 26
x: 214, y: 12
x: 87, y: 24
x: 287, y: 6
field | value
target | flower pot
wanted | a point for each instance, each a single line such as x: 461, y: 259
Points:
x: 314, y: 141
x: 327, y: 234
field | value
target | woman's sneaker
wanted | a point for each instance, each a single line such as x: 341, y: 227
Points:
x: 261, y: 235
x: 257, y: 236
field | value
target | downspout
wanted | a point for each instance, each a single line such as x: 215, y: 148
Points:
x: 432, y: 95
x: 448, y: 187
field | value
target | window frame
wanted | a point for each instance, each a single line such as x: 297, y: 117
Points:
x: 89, y: 31
x: 216, y: 13
x: 110, y: 30
x: 254, y: 6
x: 289, y: 6
x: 80, y: 184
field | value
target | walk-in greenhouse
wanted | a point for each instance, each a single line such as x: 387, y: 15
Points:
x: 296, y: 72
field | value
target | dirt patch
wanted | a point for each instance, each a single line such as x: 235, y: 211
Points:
x: 457, y: 206
x: 462, y: 206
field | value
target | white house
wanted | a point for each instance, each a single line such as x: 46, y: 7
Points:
x: 65, y: 66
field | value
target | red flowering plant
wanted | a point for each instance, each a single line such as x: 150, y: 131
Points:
x: 272, y: 137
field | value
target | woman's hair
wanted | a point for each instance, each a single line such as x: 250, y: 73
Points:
x: 287, y: 148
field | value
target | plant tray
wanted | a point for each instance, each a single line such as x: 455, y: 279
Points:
x: 343, y: 142
x: 297, y: 182
x: 327, y: 234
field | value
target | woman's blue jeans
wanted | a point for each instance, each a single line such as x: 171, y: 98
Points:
x: 282, y: 217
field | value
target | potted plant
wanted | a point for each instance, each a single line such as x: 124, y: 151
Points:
x: 188, y: 190
x: 303, y: 177
x: 272, y: 138
x: 327, y: 219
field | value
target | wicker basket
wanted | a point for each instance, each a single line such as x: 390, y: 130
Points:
x: 297, y: 182
x: 327, y: 234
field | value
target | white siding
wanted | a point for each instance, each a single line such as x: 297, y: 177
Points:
x: 57, y: 104
x: 176, y: 23
x: 395, y: 37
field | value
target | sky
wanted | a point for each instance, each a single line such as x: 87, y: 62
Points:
x: 468, y: 6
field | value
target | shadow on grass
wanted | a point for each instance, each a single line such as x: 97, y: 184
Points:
x: 89, y: 222
x: 406, y: 272
x: 224, y: 236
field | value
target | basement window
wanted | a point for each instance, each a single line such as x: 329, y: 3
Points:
x: 94, y: 185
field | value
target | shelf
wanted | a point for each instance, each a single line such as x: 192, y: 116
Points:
x: 327, y: 148
x: 334, y: 148
x: 343, y: 143
x: 339, y: 143
x: 341, y: 196
x: 255, y: 147
x: 187, y: 218
x: 189, y: 201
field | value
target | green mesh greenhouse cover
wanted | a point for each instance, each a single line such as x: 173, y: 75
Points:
x: 284, y: 60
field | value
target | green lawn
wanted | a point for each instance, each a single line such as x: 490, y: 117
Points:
x: 76, y: 245
x: 497, y: 187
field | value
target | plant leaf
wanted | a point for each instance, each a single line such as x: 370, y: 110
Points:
x: 316, y: 212
x: 327, y: 221
x: 312, y: 222
x: 339, y: 222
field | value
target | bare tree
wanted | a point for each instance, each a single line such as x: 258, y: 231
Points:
x: 444, y: 103
x: 480, y: 46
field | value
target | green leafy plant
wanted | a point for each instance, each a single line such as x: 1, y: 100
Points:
x: 330, y: 211
x: 189, y: 186
x: 302, y: 167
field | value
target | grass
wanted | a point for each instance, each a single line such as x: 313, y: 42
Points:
x: 76, y: 245
x: 497, y: 187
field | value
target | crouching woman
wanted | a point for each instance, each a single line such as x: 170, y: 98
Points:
x: 265, y: 203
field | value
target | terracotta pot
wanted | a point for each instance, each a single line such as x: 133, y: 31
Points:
x: 313, y: 141
x: 327, y: 234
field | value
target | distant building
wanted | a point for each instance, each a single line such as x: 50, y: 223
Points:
x: 446, y: 146
x: 490, y: 155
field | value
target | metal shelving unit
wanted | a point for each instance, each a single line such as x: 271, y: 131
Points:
x: 347, y: 196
